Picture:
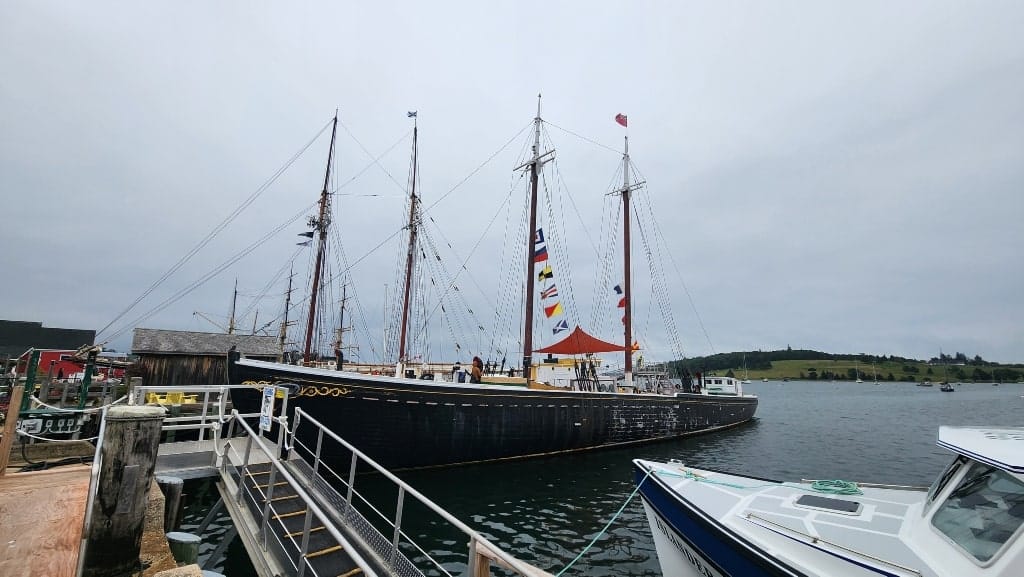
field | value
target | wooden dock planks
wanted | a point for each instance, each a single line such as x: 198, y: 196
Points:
x: 41, y: 519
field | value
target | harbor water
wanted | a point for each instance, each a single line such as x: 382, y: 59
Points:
x: 546, y: 511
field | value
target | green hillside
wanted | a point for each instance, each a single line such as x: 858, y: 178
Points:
x: 816, y: 365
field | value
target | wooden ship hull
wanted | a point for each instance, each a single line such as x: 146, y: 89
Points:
x: 406, y: 423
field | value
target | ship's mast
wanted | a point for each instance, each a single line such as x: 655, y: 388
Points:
x: 535, y: 165
x: 409, y: 260
x: 283, y: 333
x: 338, y: 348
x: 320, y: 223
x: 627, y: 285
x: 234, y: 301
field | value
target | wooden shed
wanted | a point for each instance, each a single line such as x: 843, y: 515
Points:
x: 178, y: 358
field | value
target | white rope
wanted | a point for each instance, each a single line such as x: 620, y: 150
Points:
x: 91, y: 410
x: 38, y: 438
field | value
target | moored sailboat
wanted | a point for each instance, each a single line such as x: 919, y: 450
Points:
x: 409, y: 423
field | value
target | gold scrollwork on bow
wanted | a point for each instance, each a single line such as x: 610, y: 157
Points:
x: 325, y: 391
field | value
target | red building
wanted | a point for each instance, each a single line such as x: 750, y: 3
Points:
x: 59, y: 364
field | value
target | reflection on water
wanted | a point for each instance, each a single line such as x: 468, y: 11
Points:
x: 545, y: 511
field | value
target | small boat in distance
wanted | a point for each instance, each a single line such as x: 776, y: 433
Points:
x: 946, y: 387
x: 924, y: 384
x: 969, y: 523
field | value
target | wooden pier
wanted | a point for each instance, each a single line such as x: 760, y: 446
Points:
x: 43, y: 514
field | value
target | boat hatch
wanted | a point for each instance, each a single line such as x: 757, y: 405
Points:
x: 841, y: 506
x: 983, y: 512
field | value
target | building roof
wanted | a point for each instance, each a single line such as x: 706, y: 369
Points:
x: 18, y: 336
x: 166, y: 342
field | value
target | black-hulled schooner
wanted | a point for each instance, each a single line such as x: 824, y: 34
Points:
x: 410, y: 423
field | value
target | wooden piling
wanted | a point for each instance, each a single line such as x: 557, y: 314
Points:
x: 184, y: 547
x: 127, y: 462
x: 10, y: 424
x: 171, y: 488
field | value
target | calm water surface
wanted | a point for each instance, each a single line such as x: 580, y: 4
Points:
x: 546, y: 511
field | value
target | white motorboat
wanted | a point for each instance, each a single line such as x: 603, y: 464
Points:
x: 968, y: 523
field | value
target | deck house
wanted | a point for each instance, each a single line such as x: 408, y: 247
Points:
x: 182, y: 358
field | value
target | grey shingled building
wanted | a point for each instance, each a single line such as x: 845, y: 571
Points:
x: 179, y: 358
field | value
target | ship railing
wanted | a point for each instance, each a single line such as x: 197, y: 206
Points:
x: 389, y: 532
x: 248, y: 447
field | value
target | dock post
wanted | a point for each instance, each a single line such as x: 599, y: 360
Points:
x: 127, y: 461
x: 171, y: 488
x: 184, y: 546
x: 10, y: 424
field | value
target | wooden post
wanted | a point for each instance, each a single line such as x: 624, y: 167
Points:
x: 171, y: 488
x: 127, y: 462
x: 10, y: 424
x: 184, y: 546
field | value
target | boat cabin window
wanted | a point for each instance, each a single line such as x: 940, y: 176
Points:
x: 983, y: 512
x: 944, y: 478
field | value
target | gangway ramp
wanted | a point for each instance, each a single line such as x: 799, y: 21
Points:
x: 294, y: 500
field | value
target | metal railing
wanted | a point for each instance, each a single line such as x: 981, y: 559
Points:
x: 234, y: 466
x: 331, y: 499
x: 387, y: 547
x: 210, y: 401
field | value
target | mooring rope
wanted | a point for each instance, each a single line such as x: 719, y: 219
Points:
x: 89, y: 410
x: 608, y: 524
x: 23, y: 433
x: 836, y: 487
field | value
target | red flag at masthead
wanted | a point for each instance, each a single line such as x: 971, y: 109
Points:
x: 621, y: 119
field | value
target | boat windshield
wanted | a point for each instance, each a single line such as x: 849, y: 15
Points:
x: 983, y: 512
x: 944, y: 478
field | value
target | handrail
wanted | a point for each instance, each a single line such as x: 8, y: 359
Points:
x: 815, y: 539
x: 94, y: 481
x: 515, y: 564
x: 296, y: 486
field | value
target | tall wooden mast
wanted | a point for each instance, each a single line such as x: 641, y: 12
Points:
x: 410, y: 259
x: 320, y: 223
x: 234, y: 301
x: 535, y: 165
x: 627, y: 281
x: 282, y: 336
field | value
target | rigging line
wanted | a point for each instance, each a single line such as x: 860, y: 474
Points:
x: 572, y: 201
x: 216, y: 271
x: 562, y: 256
x: 217, y: 229
x: 462, y: 266
x: 581, y: 137
x: 376, y: 160
x: 361, y: 314
x: 670, y: 318
x: 263, y: 292
x: 458, y: 303
x: 477, y: 169
x: 607, y: 281
x: 503, y: 283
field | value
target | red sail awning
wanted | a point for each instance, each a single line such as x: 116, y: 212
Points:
x: 579, y: 342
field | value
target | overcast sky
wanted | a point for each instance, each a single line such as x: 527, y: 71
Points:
x: 843, y: 176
